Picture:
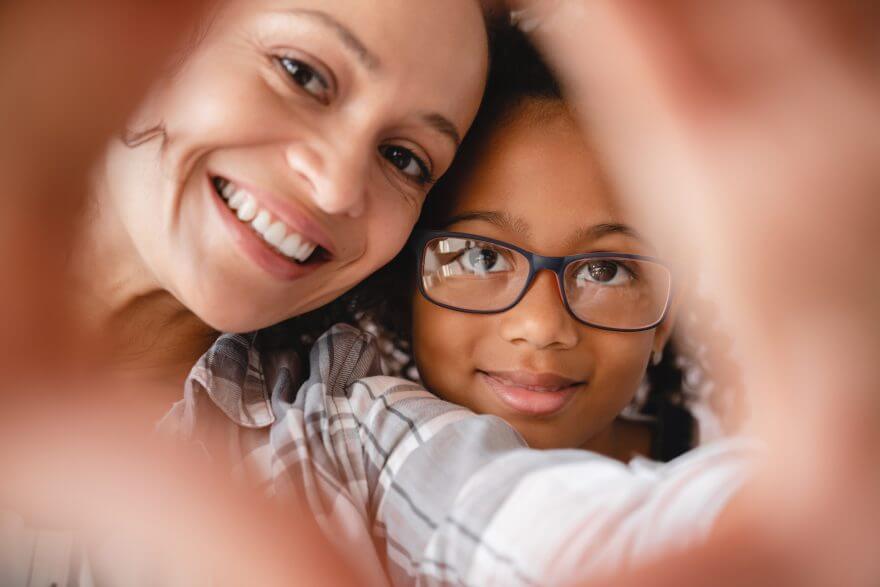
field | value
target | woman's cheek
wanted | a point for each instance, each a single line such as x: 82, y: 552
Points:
x: 390, y: 223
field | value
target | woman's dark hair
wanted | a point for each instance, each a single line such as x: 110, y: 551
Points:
x: 382, y: 303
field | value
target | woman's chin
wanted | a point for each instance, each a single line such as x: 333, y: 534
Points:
x: 239, y: 314
x: 228, y: 299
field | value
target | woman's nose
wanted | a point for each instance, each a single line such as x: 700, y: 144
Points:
x: 540, y: 319
x: 336, y: 173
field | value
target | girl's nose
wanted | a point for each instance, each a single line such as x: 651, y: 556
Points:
x: 540, y: 319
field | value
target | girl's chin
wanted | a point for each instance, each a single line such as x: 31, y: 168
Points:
x: 547, y: 435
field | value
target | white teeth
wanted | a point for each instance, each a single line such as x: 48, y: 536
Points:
x: 237, y: 200
x: 248, y: 210
x: 306, y: 251
x: 276, y: 233
x: 262, y: 221
x: 291, y: 245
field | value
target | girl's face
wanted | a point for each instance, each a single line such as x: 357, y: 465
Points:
x: 537, y: 186
x: 300, y: 140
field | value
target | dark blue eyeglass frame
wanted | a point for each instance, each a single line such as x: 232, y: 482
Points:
x: 557, y: 265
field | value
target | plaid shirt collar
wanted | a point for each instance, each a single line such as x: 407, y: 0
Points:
x: 232, y: 374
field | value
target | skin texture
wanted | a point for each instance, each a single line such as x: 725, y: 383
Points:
x: 232, y: 110
x: 537, y: 156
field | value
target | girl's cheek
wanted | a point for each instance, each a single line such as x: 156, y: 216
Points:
x: 624, y: 358
x: 438, y: 347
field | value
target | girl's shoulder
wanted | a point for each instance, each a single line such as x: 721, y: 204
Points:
x: 243, y: 381
x: 345, y: 354
x: 338, y: 358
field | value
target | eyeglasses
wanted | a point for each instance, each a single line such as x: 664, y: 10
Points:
x: 480, y: 275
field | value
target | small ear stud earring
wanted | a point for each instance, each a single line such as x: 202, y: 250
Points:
x: 656, y: 357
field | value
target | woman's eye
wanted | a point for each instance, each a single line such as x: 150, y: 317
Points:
x: 307, y: 78
x: 604, y: 273
x: 407, y: 163
x: 482, y: 260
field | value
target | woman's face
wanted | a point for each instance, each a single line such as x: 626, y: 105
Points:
x: 301, y: 138
x: 556, y: 380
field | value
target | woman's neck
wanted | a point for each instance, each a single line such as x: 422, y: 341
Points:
x: 142, y: 331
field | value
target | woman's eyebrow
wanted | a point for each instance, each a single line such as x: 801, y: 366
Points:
x: 371, y: 62
x: 351, y: 41
x: 444, y: 126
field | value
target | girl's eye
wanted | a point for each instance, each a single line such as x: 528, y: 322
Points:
x: 307, y: 78
x: 604, y: 272
x: 481, y: 260
x: 407, y: 163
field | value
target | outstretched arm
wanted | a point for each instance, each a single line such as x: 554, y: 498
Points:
x: 749, y: 132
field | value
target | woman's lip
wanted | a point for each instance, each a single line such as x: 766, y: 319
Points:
x: 254, y: 247
x: 287, y: 211
x: 525, y: 398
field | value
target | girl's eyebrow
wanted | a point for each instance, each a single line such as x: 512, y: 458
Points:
x: 503, y: 220
x: 520, y: 226
x: 597, y: 231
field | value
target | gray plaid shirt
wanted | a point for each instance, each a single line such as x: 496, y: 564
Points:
x: 428, y: 491
x: 417, y: 490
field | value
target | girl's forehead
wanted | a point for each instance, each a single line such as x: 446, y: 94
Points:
x: 540, y: 170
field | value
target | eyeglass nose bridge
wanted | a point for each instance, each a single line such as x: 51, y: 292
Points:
x: 554, y: 265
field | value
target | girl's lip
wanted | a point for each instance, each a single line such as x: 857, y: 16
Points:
x: 532, y: 394
x: 287, y: 211
x: 532, y: 379
x: 254, y: 247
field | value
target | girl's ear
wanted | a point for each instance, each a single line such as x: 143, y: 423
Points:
x: 664, y: 330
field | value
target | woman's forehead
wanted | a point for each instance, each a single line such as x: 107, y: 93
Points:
x: 430, y: 53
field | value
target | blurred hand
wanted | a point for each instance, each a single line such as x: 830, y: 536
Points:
x: 72, y: 72
x: 748, y: 135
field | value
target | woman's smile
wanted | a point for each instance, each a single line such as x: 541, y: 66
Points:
x: 265, y: 231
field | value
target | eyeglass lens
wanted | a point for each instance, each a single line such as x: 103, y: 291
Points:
x: 479, y: 276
